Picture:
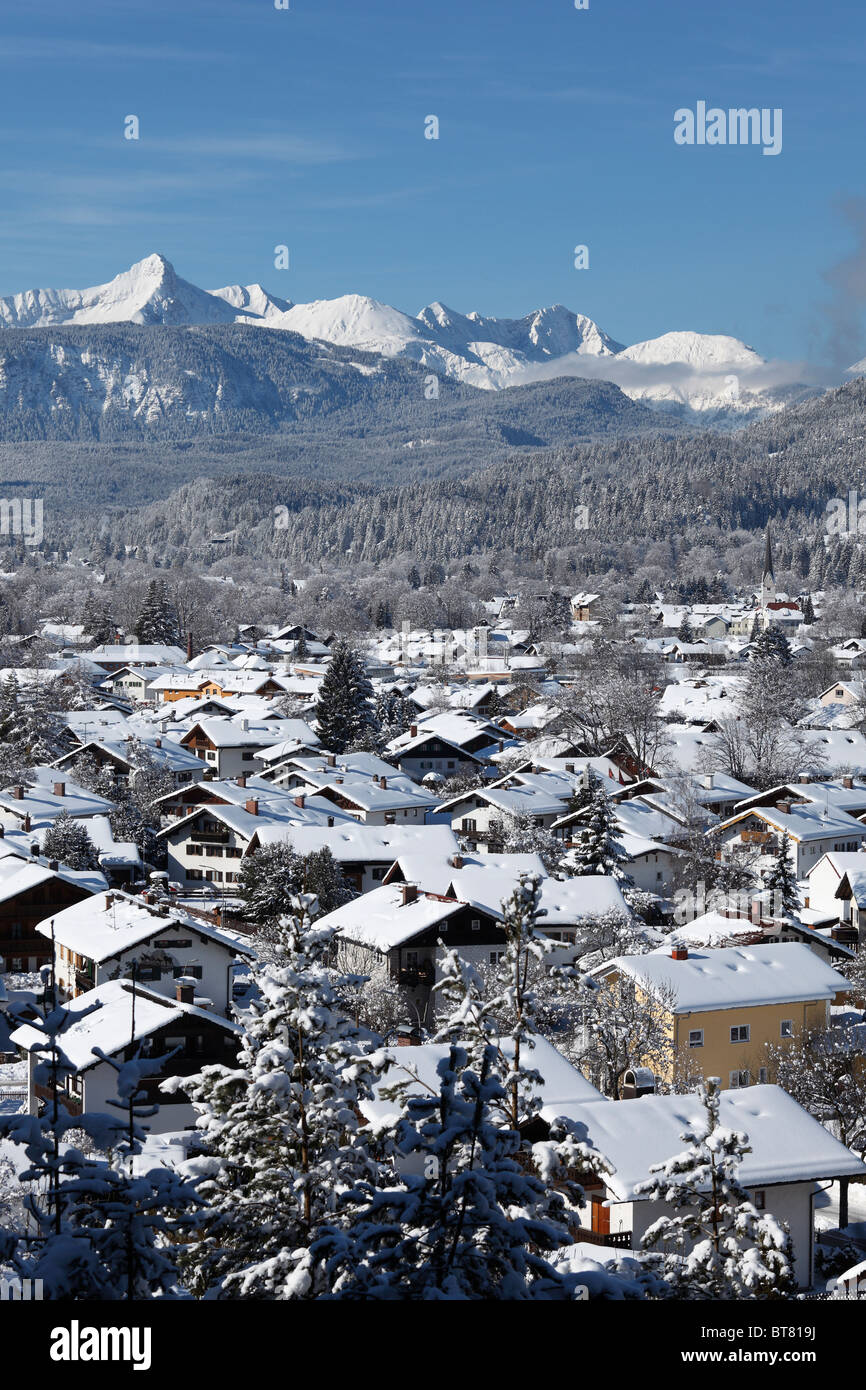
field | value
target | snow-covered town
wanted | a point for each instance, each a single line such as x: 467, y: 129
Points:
x: 324, y: 959
x: 432, y: 679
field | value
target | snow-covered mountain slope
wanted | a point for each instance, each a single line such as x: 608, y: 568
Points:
x: 254, y: 302
x: 353, y: 320
x: 705, y: 376
x: 149, y: 292
x: 704, y: 372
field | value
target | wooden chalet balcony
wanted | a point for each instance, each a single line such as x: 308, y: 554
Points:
x: 212, y: 835
x: 615, y: 1240
x: 756, y: 837
x: 84, y: 978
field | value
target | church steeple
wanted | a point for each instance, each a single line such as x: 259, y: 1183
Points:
x: 768, y: 578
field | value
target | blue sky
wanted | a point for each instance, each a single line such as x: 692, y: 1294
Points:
x: 306, y: 127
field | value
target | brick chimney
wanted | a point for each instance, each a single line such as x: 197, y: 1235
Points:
x: 27, y: 823
x: 299, y: 800
x: 184, y: 990
x: 242, y: 780
x: 457, y: 861
x: 679, y: 953
x: 383, y: 783
x: 331, y: 759
x: 413, y: 731
x: 848, y: 783
x: 18, y: 793
x: 784, y: 807
x: 59, y: 788
x: 409, y: 892
x: 252, y: 806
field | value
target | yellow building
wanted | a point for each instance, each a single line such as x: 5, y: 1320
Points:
x: 723, y: 1010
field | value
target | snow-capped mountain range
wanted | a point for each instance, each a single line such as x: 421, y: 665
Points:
x: 713, y: 377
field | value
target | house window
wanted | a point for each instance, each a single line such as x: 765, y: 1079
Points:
x: 786, y: 1028
x: 763, y: 1076
x: 696, y: 1037
x: 759, y: 1201
x: 475, y: 924
x: 194, y: 971
x: 739, y: 1079
x: 742, y: 1033
x: 496, y: 957
x: 149, y: 972
x: 377, y: 874
x: 467, y: 826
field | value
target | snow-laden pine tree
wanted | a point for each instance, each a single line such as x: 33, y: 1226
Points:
x: 512, y: 997
x: 715, y: 1244
x: 281, y: 1129
x: 781, y: 880
x: 271, y: 879
x: 480, y: 1213
x: 97, y: 620
x: 772, y: 646
x: 157, y: 620
x: 394, y: 714
x: 344, y: 711
x: 95, y: 1227
x: 67, y: 841
x: 518, y: 834
x: 597, y: 848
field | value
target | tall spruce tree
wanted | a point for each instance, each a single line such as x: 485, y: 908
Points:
x: 344, y: 711
x: 67, y: 841
x: 597, y: 848
x: 157, y: 621
x: 782, y: 881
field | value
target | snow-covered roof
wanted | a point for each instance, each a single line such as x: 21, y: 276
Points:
x: 787, y: 1144
x: 564, y: 902
x: 245, y: 733
x: 139, y: 654
x: 103, y: 1018
x: 382, y: 920
x: 107, y: 924
x: 713, y: 929
x: 434, y: 874
x: 734, y: 977
x: 562, y: 1084
x: 804, y: 822
x: 42, y: 804
x: 350, y: 842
